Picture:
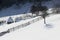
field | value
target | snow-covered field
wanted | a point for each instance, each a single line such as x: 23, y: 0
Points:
x: 37, y: 30
x: 8, y: 26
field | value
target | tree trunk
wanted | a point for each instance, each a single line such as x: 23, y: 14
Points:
x: 44, y: 21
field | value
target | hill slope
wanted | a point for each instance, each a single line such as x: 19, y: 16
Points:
x: 37, y: 30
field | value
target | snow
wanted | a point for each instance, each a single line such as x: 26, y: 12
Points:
x: 50, y: 10
x: 37, y: 30
x: 16, y: 13
x: 17, y: 17
x: 8, y: 26
x: 10, y: 19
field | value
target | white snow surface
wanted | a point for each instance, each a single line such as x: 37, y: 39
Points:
x: 8, y: 26
x: 37, y: 30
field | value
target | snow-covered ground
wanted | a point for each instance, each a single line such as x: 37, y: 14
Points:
x: 8, y: 26
x: 37, y: 30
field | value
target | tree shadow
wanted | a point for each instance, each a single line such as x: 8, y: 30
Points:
x: 48, y: 25
x: 3, y: 33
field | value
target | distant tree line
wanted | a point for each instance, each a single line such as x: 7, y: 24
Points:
x: 8, y: 3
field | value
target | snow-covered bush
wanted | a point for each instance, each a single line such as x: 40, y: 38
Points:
x: 50, y: 10
x: 18, y: 19
x: 10, y: 20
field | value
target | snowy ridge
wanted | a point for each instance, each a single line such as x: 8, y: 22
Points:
x: 25, y: 24
x: 37, y: 31
x: 14, y: 16
x: 21, y: 25
x: 13, y: 13
x: 18, y: 23
x: 23, y: 16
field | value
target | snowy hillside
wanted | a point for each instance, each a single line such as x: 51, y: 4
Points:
x: 16, y: 13
x: 37, y: 30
